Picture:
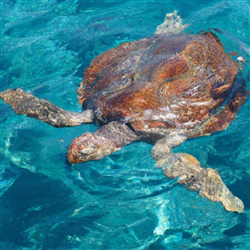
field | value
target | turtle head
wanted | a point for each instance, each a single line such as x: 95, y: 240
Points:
x: 89, y: 147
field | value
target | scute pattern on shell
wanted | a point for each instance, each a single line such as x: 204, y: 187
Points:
x: 161, y: 83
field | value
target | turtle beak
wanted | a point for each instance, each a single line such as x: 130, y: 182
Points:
x: 80, y: 100
x: 81, y: 94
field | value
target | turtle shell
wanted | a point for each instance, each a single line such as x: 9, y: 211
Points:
x: 160, y: 83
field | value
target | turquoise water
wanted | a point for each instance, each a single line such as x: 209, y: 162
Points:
x: 120, y: 202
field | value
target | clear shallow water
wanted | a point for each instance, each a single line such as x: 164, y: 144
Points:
x: 122, y: 201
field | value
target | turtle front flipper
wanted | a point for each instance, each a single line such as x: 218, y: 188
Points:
x: 24, y: 103
x: 106, y: 140
x: 206, y: 181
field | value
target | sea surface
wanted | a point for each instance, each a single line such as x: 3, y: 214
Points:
x: 120, y: 202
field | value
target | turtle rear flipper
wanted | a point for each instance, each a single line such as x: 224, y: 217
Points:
x: 172, y: 24
x: 188, y: 172
x: 225, y: 116
x: 27, y: 104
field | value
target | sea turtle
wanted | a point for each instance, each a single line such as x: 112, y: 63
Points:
x: 162, y: 90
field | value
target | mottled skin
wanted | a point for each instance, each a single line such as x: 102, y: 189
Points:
x: 161, y: 90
